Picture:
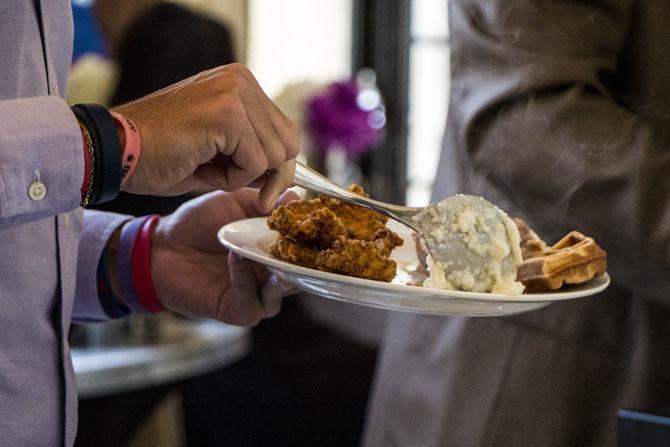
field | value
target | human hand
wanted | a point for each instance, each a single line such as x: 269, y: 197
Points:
x: 217, y: 129
x: 194, y: 275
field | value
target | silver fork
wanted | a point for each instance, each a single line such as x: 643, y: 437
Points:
x: 437, y: 224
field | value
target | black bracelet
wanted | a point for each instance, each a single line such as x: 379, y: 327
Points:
x: 105, y: 138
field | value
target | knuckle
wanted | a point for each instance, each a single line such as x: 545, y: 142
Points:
x: 230, y: 109
x: 293, y: 127
x: 293, y: 145
x: 234, y: 86
x: 292, y: 138
x: 275, y: 158
x: 293, y: 150
x: 259, y: 166
x: 237, y: 67
x: 238, y: 73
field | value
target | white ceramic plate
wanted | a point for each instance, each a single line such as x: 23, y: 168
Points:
x: 251, y: 238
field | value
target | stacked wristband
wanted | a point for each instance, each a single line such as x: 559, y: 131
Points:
x: 124, y: 264
x: 133, y: 266
x: 105, y: 154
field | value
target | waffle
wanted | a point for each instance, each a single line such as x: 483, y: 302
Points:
x: 572, y: 260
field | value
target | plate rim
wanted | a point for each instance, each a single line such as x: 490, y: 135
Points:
x: 562, y: 295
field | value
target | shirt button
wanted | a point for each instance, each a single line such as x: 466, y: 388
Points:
x: 37, y: 190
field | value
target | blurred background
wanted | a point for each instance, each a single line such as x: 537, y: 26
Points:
x: 379, y: 68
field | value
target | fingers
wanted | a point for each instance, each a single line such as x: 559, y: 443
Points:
x: 273, y: 291
x: 287, y: 197
x: 285, y: 129
x: 245, y: 307
x: 221, y: 111
x: 254, y: 297
x: 278, y: 135
x: 233, y: 174
x: 276, y: 183
x: 266, y: 131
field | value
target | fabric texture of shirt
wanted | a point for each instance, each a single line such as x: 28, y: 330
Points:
x: 560, y: 114
x: 50, y: 247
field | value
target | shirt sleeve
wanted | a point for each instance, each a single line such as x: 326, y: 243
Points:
x: 535, y: 117
x: 40, y: 140
x: 98, y: 228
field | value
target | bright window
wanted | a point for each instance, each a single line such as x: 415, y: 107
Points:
x: 428, y: 95
x: 291, y: 41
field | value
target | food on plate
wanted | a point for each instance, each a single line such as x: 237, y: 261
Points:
x: 486, y: 243
x: 572, y: 260
x: 294, y: 252
x: 334, y: 236
x: 493, y: 252
x: 530, y: 241
x: 364, y: 259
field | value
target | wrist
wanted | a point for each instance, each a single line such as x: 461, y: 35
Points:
x: 126, y: 282
x: 108, y: 295
x: 111, y: 253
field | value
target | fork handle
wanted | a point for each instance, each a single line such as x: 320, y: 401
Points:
x: 307, y: 178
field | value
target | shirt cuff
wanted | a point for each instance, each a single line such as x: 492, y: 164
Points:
x: 98, y: 228
x: 41, y: 159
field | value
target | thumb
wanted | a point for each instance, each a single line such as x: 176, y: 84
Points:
x: 245, y: 302
x: 273, y: 291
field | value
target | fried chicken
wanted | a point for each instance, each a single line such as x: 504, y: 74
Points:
x: 334, y: 236
x: 361, y: 223
x: 359, y: 258
x: 293, y: 252
x: 307, y: 223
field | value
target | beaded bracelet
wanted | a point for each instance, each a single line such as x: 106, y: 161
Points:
x: 89, y: 155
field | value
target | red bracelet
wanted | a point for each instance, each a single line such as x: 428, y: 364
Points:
x: 132, y: 146
x: 141, y: 268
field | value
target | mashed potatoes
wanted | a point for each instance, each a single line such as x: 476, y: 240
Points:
x: 477, y: 246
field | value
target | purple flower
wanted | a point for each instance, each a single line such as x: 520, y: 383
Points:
x: 334, y: 119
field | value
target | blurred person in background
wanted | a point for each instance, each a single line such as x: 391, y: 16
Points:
x: 559, y: 114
